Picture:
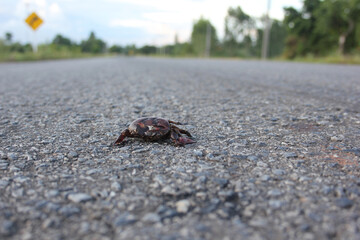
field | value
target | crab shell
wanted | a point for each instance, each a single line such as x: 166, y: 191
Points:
x: 150, y: 129
x: 153, y: 129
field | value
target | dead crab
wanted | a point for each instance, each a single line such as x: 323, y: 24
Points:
x: 154, y: 129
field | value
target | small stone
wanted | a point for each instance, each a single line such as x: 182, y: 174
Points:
x: 198, y: 153
x: 326, y: 190
x: 304, y: 178
x: 290, y: 155
x: 12, y: 156
x: 79, y: 197
x: 115, y: 186
x: 275, y: 204
x: 152, y: 218
x: 21, y: 179
x: 344, y: 202
x: 84, y: 228
x: 190, y: 160
x: 85, y: 135
x: 50, y: 223
x: 125, y: 219
x: 73, y: 154
x: 305, y: 227
x: 279, y: 172
x: 229, y: 195
x: 17, y: 193
x: 338, y: 138
x: 93, y: 171
x: 14, y: 169
x: 252, y: 158
x: 52, y: 193
x: 7, y: 228
x: 182, y: 206
x: 3, y: 183
x: 274, y: 192
x: 69, y: 210
x: 168, y: 190
x: 265, y: 178
x: 222, y: 182
x: 258, y: 222
x: 4, y: 165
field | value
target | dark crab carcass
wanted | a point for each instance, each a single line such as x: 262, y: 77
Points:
x: 154, y: 129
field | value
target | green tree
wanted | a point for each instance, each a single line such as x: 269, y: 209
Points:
x: 147, y: 49
x: 93, y: 44
x: 116, y: 49
x: 338, y: 19
x: 238, y: 25
x: 198, y: 37
x: 322, y: 26
x: 302, y: 38
x: 62, y: 41
x: 238, y: 29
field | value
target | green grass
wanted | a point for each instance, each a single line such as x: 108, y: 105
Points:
x: 333, y: 59
x: 48, y: 52
x: 30, y: 56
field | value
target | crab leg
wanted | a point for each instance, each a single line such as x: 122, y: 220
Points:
x: 184, y: 132
x: 178, y: 123
x: 178, y: 140
x: 124, y: 134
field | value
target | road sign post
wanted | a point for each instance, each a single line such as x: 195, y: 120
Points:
x: 34, y: 21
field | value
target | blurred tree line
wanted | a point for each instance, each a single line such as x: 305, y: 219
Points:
x: 319, y: 28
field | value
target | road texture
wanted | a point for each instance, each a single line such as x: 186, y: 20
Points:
x: 277, y: 153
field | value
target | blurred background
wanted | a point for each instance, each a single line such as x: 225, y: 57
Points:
x: 328, y: 30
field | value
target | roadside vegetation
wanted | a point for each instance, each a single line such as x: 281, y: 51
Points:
x: 321, y: 31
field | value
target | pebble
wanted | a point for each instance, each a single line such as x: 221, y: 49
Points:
x: 69, y: 210
x: 344, y: 202
x: 12, y: 156
x: 265, y: 178
x: 4, y: 165
x: 151, y: 217
x: 182, y: 206
x: 79, y: 197
x: 168, y: 190
x: 124, y: 219
x: 7, y: 228
x: 222, y: 182
x: 279, y: 172
x: 276, y: 204
x: 73, y: 154
x: 252, y: 158
x: 198, y: 153
x: 115, y: 186
x: 4, y: 183
x: 274, y: 192
x: 290, y: 155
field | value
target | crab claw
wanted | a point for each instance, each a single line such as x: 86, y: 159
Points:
x: 185, y: 140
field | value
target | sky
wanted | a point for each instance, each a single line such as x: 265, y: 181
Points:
x: 123, y: 22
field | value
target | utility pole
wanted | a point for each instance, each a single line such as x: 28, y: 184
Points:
x: 208, y: 40
x: 266, y: 34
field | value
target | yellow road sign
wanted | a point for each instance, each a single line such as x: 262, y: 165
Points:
x: 34, y: 21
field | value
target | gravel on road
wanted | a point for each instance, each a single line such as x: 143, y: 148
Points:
x: 277, y: 153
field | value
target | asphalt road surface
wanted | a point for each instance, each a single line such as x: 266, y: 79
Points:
x: 277, y: 153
